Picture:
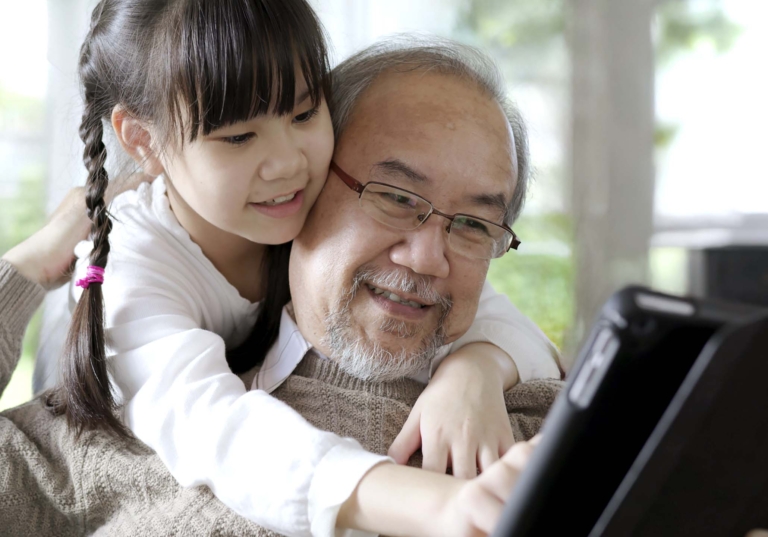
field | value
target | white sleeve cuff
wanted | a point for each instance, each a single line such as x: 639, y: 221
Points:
x: 336, y: 477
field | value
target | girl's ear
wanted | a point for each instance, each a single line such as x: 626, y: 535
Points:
x: 136, y: 141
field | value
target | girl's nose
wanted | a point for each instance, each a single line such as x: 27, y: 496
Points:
x: 285, y: 160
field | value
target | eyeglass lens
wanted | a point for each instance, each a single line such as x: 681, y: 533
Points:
x: 402, y: 210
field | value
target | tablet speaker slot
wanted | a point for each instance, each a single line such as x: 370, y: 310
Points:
x: 591, y: 374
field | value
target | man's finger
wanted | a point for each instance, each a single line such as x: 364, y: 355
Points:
x: 407, y: 441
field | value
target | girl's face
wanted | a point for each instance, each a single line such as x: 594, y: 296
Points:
x: 256, y: 179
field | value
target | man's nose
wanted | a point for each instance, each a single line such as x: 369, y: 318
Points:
x: 285, y: 159
x: 424, y: 249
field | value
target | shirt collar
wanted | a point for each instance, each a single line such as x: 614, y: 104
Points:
x: 283, y: 357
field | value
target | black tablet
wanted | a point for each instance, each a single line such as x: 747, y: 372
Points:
x: 640, y: 350
x: 704, y: 471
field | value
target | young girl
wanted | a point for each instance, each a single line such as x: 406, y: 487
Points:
x: 225, y: 101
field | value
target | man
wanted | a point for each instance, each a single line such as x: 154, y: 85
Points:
x: 374, y: 298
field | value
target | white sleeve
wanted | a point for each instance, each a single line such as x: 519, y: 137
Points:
x: 499, y: 322
x: 257, y: 455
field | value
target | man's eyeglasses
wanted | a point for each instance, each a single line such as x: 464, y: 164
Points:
x: 392, y: 206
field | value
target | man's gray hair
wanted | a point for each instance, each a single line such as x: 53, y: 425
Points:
x: 404, y: 53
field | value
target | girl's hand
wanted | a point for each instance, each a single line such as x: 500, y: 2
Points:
x: 460, y: 420
x: 47, y: 256
x: 477, y: 507
x: 400, y: 500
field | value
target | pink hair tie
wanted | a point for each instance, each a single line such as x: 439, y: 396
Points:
x: 93, y: 275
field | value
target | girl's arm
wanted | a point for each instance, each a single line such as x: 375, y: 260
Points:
x: 404, y: 501
x: 258, y: 456
x: 460, y: 421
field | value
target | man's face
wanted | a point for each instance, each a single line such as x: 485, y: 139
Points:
x: 436, y: 136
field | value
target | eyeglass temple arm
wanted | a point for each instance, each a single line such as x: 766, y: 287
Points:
x: 350, y: 181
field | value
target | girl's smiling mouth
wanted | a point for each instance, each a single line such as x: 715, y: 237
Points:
x: 281, y: 206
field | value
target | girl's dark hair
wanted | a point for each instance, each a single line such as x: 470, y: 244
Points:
x: 275, y: 271
x: 187, y: 67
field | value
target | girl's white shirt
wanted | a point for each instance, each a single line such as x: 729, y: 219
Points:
x: 169, y: 316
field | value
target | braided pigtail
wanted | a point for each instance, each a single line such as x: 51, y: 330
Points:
x: 88, y: 399
x: 86, y: 396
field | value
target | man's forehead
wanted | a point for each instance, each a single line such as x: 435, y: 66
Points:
x: 437, y: 122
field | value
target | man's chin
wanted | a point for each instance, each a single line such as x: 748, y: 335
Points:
x: 382, y: 355
x: 392, y: 331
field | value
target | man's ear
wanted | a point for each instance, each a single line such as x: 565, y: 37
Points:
x: 136, y: 140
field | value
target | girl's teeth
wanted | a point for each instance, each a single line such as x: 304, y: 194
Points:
x: 281, y: 199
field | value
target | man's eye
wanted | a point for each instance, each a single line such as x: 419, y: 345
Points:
x: 471, y: 225
x: 238, y: 139
x: 306, y: 116
x: 400, y: 199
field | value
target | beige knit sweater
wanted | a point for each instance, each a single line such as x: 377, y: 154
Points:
x: 52, y: 485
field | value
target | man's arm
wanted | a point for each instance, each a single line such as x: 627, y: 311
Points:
x: 19, y: 298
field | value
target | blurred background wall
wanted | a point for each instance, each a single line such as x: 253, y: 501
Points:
x: 647, y: 123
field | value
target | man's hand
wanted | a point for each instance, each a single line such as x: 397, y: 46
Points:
x: 460, y: 420
x: 47, y: 256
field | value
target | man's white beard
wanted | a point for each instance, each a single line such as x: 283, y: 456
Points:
x: 368, y: 360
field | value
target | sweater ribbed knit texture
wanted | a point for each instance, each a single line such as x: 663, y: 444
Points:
x: 51, y: 484
x: 19, y: 298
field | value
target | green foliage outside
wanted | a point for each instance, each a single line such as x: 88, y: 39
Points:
x: 684, y: 26
x: 541, y: 286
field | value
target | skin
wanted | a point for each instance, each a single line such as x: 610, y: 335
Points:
x: 459, y: 140
x: 214, y: 181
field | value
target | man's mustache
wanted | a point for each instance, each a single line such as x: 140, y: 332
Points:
x: 403, y: 281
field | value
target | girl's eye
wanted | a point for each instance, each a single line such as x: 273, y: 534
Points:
x: 239, y: 139
x: 306, y: 116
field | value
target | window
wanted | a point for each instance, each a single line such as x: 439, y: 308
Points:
x: 23, y: 146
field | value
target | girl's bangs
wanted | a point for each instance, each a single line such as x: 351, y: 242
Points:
x: 239, y: 59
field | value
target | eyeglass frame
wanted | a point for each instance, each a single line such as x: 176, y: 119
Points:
x: 359, y: 188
